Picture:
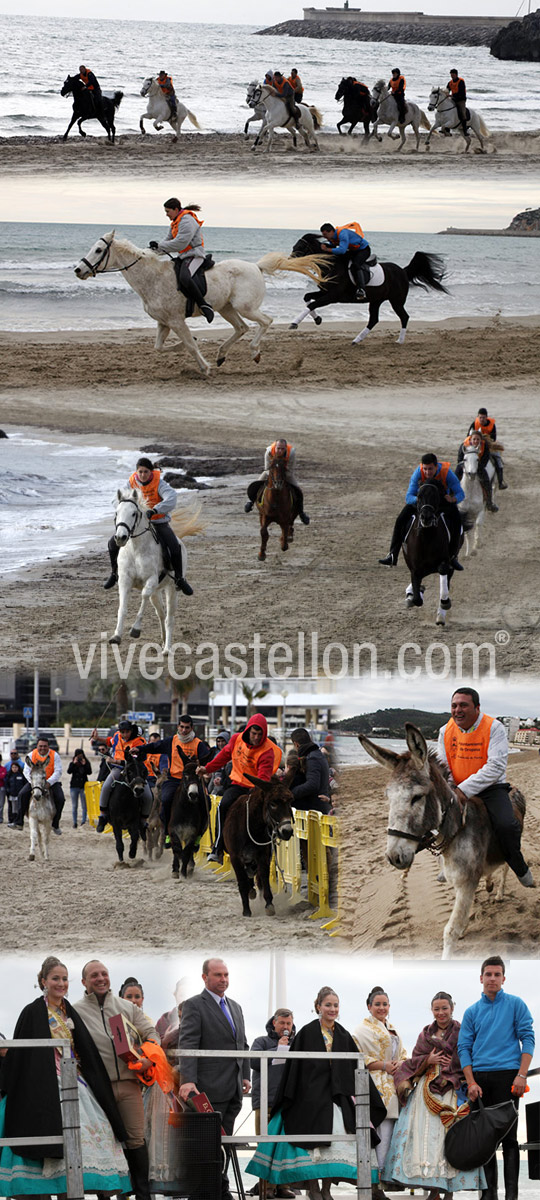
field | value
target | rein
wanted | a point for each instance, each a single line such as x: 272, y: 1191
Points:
x: 94, y: 267
x: 140, y: 514
x: 435, y: 840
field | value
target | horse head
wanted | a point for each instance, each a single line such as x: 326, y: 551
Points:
x: 131, y: 507
x: 147, y: 85
x: 436, y: 95
x: 415, y: 811
x: 379, y: 91
x: 277, y: 473
x: 70, y: 84
x: 253, y: 94
x: 471, y: 458
x: 428, y: 505
x: 135, y: 773
x: 278, y: 802
x: 341, y: 88
x: 309, y: 243
x: 98, y: 256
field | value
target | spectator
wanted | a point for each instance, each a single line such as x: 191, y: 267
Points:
x: 80, y: 769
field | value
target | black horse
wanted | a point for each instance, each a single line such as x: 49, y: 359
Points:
x: 254, y: 825
x: 86, y: 107
x: 189, y: 818
x: 125, y: 805
x: 358, y: 106
x: 424, y: 270
x: 426, y: 549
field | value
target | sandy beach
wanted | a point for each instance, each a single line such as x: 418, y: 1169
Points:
x: 406, y: 912
x: 360, y: 419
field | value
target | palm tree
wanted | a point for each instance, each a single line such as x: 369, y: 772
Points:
x: 252, y: 694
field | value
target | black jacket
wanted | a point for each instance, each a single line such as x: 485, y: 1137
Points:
x: 268, y: 1042
x: 79, y: 772
x: 315, y: 767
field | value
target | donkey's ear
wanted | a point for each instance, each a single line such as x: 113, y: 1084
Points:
x: 416, y: 743
x: 263, y: 784
x: 28, y: 761
x: 385, y: 758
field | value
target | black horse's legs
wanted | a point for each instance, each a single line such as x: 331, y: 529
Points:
x: 340, y: 123
x: 352, y: 126
x: 403, y: 315
x: 374, y: 309
x: 79, y: 123
x: 119, y: 843
x: 70, y: 126
x: 417, y: 597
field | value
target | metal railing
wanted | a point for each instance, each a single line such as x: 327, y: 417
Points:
x: 70, y: 1138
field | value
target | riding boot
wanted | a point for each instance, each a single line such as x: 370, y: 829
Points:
x: 511, y: 1171
x: 103, y: 820
x: 169, y: 542
x: 488, y: 493
x: 490, y: 1192
x: 248, y: 505
x: 138, y: 1164
x: 499, y: 473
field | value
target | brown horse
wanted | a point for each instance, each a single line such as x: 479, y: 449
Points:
x: 279, y: 504
x: 254, y: 825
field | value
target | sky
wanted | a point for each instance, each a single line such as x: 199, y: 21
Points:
x: 498, y: 697
x: 242, y: 12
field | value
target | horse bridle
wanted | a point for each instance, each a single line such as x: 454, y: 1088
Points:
x: 255, y: 97
x: 96, y: 268
x: 140, y: 514
x: 277, y: 484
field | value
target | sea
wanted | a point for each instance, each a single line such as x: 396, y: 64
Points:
x: 39, y: 291
x: 212, y: 64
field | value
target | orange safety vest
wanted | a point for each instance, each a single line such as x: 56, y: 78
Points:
x: 352, y: 225
x: 273, y: 450
x: 38, y: 758
x: 442, y: 474
x: 152, y: 764
x: 174, y: 224
x: 279, y: 86
x: 245, y: 758
x: 295, y: 83
x: 149, y: 490
x: 190, y: 750
x: 467, y: 752
x: 121, y: 744
x: 85, y: 76
x: 453, y: 85
x: 394, y: 83
x: 487, y: 430
x: 167, y: 85
x: 483, y: 448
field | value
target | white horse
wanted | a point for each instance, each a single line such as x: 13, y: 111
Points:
x: 253, y: 101
x: 388, y: 114
x: 41, y: 809
x: 141, y: 566
x: 277, y: 117
x: 159, y: 110
x: 235, y: 289
x: 473, y: 506
x: 447, y: 117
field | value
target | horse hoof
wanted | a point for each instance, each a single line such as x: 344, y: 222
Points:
x: 318, y: 320
x: 190, y: 868
x: 270, y: 910
x: 261, y: 556
x: 293, y: 325
x: 441, y: 621
x: 409, y: 602
x: 220, y: 361
x: 256, y: 358
x: 134, y: 633
x: 246, y: 912
x: 115, y: 640
x: 252, y: 894
x: 446, y: 604
x: 31, y: 858
x: 176, y: 874
x: 418, y: 603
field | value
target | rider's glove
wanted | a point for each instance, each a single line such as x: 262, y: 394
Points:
x: 153, y: 245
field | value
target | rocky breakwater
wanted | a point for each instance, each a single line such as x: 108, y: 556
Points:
x: 451, y: 32
x: 185, y: 463
x: 519, y: 41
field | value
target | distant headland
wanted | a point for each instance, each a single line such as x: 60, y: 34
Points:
x: 524, y: 224
x: 354, y: 24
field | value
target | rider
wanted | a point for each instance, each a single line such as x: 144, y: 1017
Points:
x: 185, y: 239
x: 127, y: 737
x: 297, y: 85
x: 167, y: 86
x: 458, y: 92
x: 161, y: 499
x: 53, y: 773
x: 184, y: 740
x: 349, y: 239
x: 478, y: 442
x: 397, y: 84
x: 278, y: 449
x: 91, y: 84
x: 250, y: 750
x: 474, y: 748
x: 486, y: 426
x: 430, y: 471
x: 288, y: 94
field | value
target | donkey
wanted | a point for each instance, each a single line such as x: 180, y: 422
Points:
x: 125, y: 805
x: 41, y: 809
x: 425, y: 814
x: 254, y: 825
x: 155, y: 830
x: 189, y: 818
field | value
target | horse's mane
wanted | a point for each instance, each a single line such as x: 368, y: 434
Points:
x: 127, y: 494
x: 379, y: 84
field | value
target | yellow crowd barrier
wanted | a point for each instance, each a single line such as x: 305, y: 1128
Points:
x: 92, y: 793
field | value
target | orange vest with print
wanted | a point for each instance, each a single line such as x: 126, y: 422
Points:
x: 245, y: 758
x: 467, y: 752
x: 166, y: 85
x: 151, y: 763
x: 39, y: 758
x: 487, y: 430
x: 183, y: 213
x: 190, y: 750
x: 120, y: 747
x: 395, y: 83
x: 442, y: 474
x: 352, y: 225
x: 453, y: 85
x: 273, y: 450
x: 149, y: 490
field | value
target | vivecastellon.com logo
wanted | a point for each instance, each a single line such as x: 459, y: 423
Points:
x: 302, y: 657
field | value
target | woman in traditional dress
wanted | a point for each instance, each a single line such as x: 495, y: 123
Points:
x: 31, y: 1101
x: 429, y: 1084
x: 383, y: 1052
x: 315, y: 1097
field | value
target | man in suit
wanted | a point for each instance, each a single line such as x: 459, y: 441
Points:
x: 211, y: 1022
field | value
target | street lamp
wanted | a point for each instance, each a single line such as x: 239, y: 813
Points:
x: 284, y: 695
x: 133, y: 695
x: 58, y: 693
x: 211, y: 698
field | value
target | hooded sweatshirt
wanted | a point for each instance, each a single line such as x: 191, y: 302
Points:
x: 268, y: 1042
x: 263, y: 755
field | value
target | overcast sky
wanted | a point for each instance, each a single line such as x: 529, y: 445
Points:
x: 498, y: 697
x: 242, y: 12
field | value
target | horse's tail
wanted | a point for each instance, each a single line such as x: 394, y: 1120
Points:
x: 309, y: 265
x: 482, y: 126
x: 186, y: 522
x: 427, y: 271
x: 117, y: 99
x: 193, y: 119
x: 317, y: 116
x: 424, y: 121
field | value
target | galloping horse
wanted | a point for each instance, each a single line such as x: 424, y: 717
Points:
x: 41, y: 809
x: 235, y: 289
x: 426, y: 550
x: 388, y: 114
x: 278, y: 116
x: 425, y: 814
x: 358, y: 106
x: 253, y: 101
x: 473, y: 506
x: 125, y: 804
x: 279, y: 505
x: 447, y: 117
x: 388, y: 282
x: 159, y: 111
x: 85, y: 108
x: 254, y: 825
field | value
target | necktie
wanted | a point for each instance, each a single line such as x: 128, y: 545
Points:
x: 225, y: 1010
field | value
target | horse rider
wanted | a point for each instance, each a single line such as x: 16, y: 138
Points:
x: 250, y: 750
x: 287, y: 93
x: 91, y: 84
x: 458, y: 92
x: 269, y: 79
x: 53, y: 774
x: 397, y: 84
x: 430, y: 471
x: 476, y: 441
x: 167, y: 86
x: 127, y: 737
x: 185, y: 239
x: 297, y: 85
x: 486, y: 426
x: 161, y: 499
x: 278, y: 449
x: 349, y: 239
x: 474, y: 748
x: 191, y: 746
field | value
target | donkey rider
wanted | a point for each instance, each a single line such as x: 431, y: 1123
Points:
x: 185, y: 239
x: 279, y: 449
x: 161, y: 499
x: 127, y: 737
x: 430, y: 471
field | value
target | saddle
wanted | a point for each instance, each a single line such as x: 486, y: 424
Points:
x: 369, y: 264
x: 198, y: 280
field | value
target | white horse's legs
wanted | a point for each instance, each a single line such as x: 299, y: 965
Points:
x: 239, y: 327
x: 186, y: 337
x: 162, y: 334
x: 124, y: 588
x: 264, y: 322
x: 402, y: 335
x: 171, y: 597
x: 149, y: 588
x: 156, y: 600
